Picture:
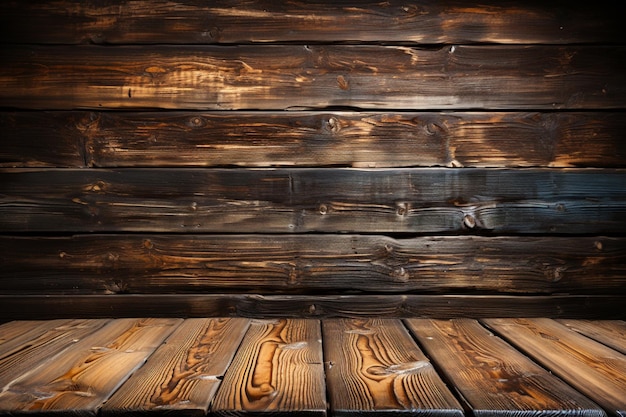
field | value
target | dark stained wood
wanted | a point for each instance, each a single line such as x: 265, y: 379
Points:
x: 420, y: 200
x: 262, y: 139
x: 277, y: 370
x: 373, y: 366
x: 609, y: 332
x: 229, y: 21
x: 310, y: 306
x: 313, y: 77
x: 183, y: 375
x: 300, y: 264
x: 27, y: 354
x: 493, y: 377
x: 594, y: 369
x: 86, y: 374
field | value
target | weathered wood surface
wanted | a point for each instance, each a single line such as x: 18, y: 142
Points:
x: 58, y: 336
x: 329, y: 263
x: 14, y: 333
x: 609, y: 332
x: 373, y: 366
x: 359, y: 139
x: 229, y: 21
x: 420, y: 200
x: 183, y: 375
x: 14, y: 307
x: 592, y: 368
x: 277, y: 370
x: 87, y: 373
x: 313, y: 77
x: 493, y: 377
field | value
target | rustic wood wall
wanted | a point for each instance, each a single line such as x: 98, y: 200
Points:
x: 323, y: 158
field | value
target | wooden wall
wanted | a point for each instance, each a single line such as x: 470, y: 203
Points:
x: 323, y: 158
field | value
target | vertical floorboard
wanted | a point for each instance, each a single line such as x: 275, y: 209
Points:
x: 277, y: 370
x: 374, y: 366
x: 182, y: 376
x: 594, y: 369
x: 87, y: 373
x: 609, y: 332
x: 492, y: 376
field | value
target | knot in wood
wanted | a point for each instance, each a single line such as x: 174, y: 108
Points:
x: 323, y: 209
x: 402, y: 209
x: 469, y: 221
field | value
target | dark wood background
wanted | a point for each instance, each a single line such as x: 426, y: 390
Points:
x: 313, y: 159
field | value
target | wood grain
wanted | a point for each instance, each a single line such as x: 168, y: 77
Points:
x: 310, y: 306
x: 419, y: 200
x: 183, y: 375
x: 87, y: 373
x: 373, y: 366
x: 594, y: 369
x: 328, y: 138
x: 14, y: 333
x: 609, y: 332
x: 493, y: 377
x: 321, y: 263
x: 277, y: 370
x: 278, y: 77
x: 229, y: 21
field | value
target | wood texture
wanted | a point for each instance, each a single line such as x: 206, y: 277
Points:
x: 183, y: 375
x: 310, y: 306
x: 277, y: 370
x: 272, y: 77
x: 14, y: 333
x: 373, y: 366
x: 609, y: 332
x: 300, y: 264
x: 594, y: 369
x: 425, y: 200
x: 358, y: 139
x: 493, y: 377
x: 88, y: 372
x: 229, y: 21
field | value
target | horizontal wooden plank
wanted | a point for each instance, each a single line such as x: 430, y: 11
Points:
x: 420, y: 200
x: 592, y: 368
x: 313, y: 77
x: 493, y: 377
x: 195, y: 21
x: 313, y: 306
x: 359, y: 139
x: 272, y: 264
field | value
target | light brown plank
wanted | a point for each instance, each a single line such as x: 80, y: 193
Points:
x: 277, y: 369
x: 183, y: 375
x: 311, y: 306
x: 593, y: 369
x: 289, y: 200
x: 279, y: 77
x: 430, y: 22
x: 16, y: 332
x: 87, y: 373
x: 49, y: 342
x: 373, y: 366
x: 493, y: 377
x: 297, y: 264
x: 609, y: 332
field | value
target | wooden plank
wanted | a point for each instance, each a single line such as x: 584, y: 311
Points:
x: 609, y: 332
x: 14, y: 333
x: 593, y: 369
x: 311, y: 306
x: 50, y: 342
x: 230, y: 21
x: 373, y: 366
x: 419, y: 200
x: 359, y: 139
x: 183, y: 375
x: 272, y: 77
x: 493, y: 377
x: 300, y: 264
x: 86, y: 374
x: 41, y: 139
x: 278, y: 369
